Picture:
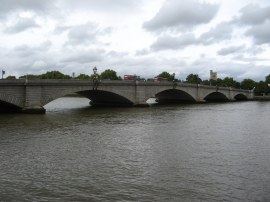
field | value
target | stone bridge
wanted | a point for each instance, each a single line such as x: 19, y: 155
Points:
x: 30, y: 96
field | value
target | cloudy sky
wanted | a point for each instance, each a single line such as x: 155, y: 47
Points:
x: 143, y: 37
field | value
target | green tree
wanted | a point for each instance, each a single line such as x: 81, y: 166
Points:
x: 83, y: 77
x: 193, y: 78
x: 248, y: 84
x: 54, y: 75
x: 29, y: 76
x: 110, y: 74
x: 267, y: 79
x: 229, y: 82
x: 206, y: 82
x: 261, y: 88
x: 167, y: 75
x: 11, y: 77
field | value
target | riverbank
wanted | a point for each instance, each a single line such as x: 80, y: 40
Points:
x: 262, y: 98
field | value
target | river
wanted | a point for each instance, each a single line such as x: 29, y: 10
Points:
x: 199, y: 152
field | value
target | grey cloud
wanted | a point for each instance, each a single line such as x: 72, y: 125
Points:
x: 28, y: 59
x: 21, y: 25
x: 85, y: 34
x: 142, y: 52
x: 184, y: 14
x: 60, y: 29
x: 114, y: 54
x: 84, y: 56
x: 217, y: 34
x: 253, y: 14
x: 8, y: 6
x: 260, y: 33
x: 223, y: 31
x: 28, y: 51
x: 230, y: 50
x: 169, y: 42
x: 102, y: 5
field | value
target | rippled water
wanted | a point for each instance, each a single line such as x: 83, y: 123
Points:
x: 200, y: 152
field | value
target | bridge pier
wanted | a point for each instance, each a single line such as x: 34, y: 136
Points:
x: 34, y: 110
x: 141, y: 105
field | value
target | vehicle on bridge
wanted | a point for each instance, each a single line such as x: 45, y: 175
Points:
x: 160, y: 79
x: 131, y: 77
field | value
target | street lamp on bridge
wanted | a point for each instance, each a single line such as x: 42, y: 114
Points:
x: 95, y: 80
x: 95, y: 71
x: 3, y: 73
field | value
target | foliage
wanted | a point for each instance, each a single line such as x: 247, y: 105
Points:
x: 248, y: 84
x: 110, y: 74
x: 54, y: 75
x: 206, y: 82
x: 229, y: 82
x: 261, y: 88
x: 83, y: 77
x: 47, y: 75
x: 30, y: 76
x: 167, y: 75
x: 267, y: 79
x: 193, y: 78
x: 11, y: 77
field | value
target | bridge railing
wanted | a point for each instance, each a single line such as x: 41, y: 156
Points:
x: 91, y: 82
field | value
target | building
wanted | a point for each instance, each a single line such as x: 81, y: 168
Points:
x: 213, y: 75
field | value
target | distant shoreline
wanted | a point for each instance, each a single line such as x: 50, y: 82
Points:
x: 262, y: 98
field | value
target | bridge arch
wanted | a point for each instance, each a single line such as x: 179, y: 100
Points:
x: 97, y: 97
x: 10, y: 103
x: 174, y: 96
x: 105, y: 98
x: 11, y: 99
x: 240, y: 97
x: 216, y: 97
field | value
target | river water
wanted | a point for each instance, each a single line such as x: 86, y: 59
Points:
x: 199, y: 152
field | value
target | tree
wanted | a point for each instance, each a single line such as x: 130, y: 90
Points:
x: 110, y: 74
x: 261, y: 88
x: 267, y: 79
x: 166, y: 75
x: 229, y: 82
x: 83, y: 77
x: 11, y: 77
x: 29, y: 76
x: 248, y: 84
x: 206, y: 82
x: 193, y: 78
x: 54, y: 75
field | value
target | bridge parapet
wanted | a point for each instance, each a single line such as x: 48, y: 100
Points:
x: 32, y: 95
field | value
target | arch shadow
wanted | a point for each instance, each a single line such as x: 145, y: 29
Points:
x: 9, y: 103
x: 240, y: 97
x: 216, y: 97
x: 101, y: 98
x: 173, y: 96
x: 6, y: 107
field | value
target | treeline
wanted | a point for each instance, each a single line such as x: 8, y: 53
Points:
x: 261, y: 87
x: 107, y: 74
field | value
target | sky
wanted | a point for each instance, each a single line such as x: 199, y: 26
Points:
x: 142, y: 37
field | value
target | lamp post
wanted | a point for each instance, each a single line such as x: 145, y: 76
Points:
x: 95, y: 81
x: 3, y: 73
x: 95, y: 71
x: 174, y: 83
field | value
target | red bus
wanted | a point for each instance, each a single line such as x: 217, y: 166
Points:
x: 131, y: 77
x: 159, y: 79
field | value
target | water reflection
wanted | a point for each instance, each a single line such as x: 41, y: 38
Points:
x: 209, y: 152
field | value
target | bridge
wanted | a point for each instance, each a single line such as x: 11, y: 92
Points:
x: 30, y: 96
